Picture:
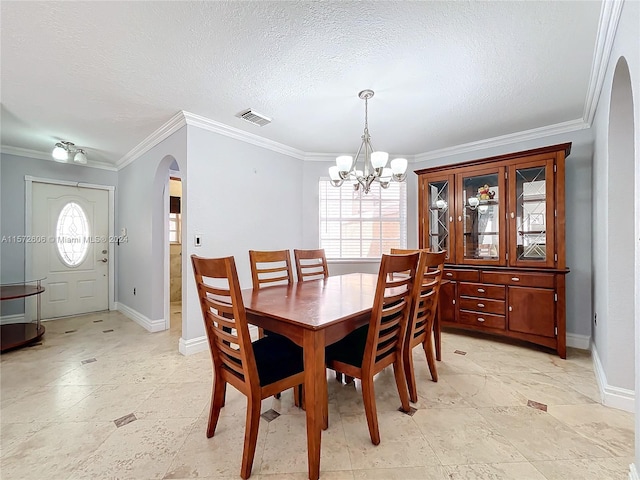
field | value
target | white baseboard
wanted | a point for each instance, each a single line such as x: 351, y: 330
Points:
x: 146, y: 323
x: 18, y: 318
x: 583, y: 342
x: 194, y: 345
x: 633, y: 472
x: 615, y: 397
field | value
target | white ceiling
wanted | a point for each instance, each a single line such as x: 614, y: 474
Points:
x: 106, y: 75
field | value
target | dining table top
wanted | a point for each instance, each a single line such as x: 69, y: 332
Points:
x: 315, y: 304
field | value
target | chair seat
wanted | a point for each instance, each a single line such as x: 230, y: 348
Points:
x: 350, y: 349
x: 277, y: 357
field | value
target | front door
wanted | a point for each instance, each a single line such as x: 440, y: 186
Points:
x: 72, y: 223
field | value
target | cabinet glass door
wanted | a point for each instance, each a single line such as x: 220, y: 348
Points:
x: 532, y: 214
x: 439, y: 234
x: 481, y: 207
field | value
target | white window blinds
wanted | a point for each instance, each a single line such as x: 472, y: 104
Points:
x: 357, y: 225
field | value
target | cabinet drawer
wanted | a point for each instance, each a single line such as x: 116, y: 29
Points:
x: 468, y: 275
x: 482, y: 305
x: 482, y: 319
x: 518, y: 278
x: 482, y: 290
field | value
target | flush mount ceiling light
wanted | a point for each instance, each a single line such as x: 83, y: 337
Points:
x: 374, y: 162
x: 63, y: 150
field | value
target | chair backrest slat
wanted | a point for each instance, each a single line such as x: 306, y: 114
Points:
x: 311, y: 264
x: 270, y: 267
x: 225, y: 320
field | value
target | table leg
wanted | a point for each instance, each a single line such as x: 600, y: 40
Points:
x: 315, y: 375
x: 38, y: 309
x: 437, y: 334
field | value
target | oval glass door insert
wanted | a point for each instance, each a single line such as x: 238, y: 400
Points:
x: 72, y: 234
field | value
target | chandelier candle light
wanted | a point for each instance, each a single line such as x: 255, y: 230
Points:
x: 375, y: 162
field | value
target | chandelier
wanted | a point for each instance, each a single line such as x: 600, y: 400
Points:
x: 374, y: 167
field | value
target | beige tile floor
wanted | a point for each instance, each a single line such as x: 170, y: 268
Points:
x: 59, y: 402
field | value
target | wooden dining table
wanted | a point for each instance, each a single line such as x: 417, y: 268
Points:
x: 314, y: 314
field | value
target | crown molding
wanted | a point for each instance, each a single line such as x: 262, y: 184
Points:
x: 320, y: 157
x: 183, y: 118
x: 25, y: 152
x: 232, y: 132
x: 526, y: 135
x: 607, y: 27
x: 331, y: 157
x: 174, y: 124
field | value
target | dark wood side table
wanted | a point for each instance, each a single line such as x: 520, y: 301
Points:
x: 15, y: 335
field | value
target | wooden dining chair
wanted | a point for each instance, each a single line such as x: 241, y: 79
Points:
x: 420, y: 329
x: 271, y: 267
x: 310, y: 264
x: 259, y: 369
x: 367, y: 351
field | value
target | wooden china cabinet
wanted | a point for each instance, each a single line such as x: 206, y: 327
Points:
x: 502, y: 222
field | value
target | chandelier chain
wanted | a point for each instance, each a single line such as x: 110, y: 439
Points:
x: 366, y: 114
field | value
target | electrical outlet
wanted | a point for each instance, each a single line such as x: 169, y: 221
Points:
x: 134, y: 291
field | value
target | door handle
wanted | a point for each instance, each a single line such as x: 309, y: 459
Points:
x: 104, y: 260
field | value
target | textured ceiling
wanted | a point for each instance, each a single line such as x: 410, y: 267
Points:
x: 105, y: 75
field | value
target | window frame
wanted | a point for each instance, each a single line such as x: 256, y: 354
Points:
x: 177, y: 230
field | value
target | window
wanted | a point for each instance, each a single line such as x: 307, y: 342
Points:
x: 174, y: 228
x: 358, y: 225
x: 72, y: 234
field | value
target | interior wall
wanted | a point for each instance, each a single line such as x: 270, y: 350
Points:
x: 141, y: 212
x: 625, y: 45
x: 237, y: 197
x: 13, y: 169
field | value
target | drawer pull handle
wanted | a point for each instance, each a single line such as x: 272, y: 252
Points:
x: 459, y: 218
x: 451, y: 219
x: 481, y: 290
x: 480, y: 319
x: 510, y: 308
x: 481, y: 305
x: 515, y: 279
x: 449, y: 274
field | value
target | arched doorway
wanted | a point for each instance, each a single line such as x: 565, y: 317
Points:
x: 621, y: 244
x: 161, y: 242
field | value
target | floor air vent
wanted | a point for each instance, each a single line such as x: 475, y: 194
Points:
x: 254, y: 117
